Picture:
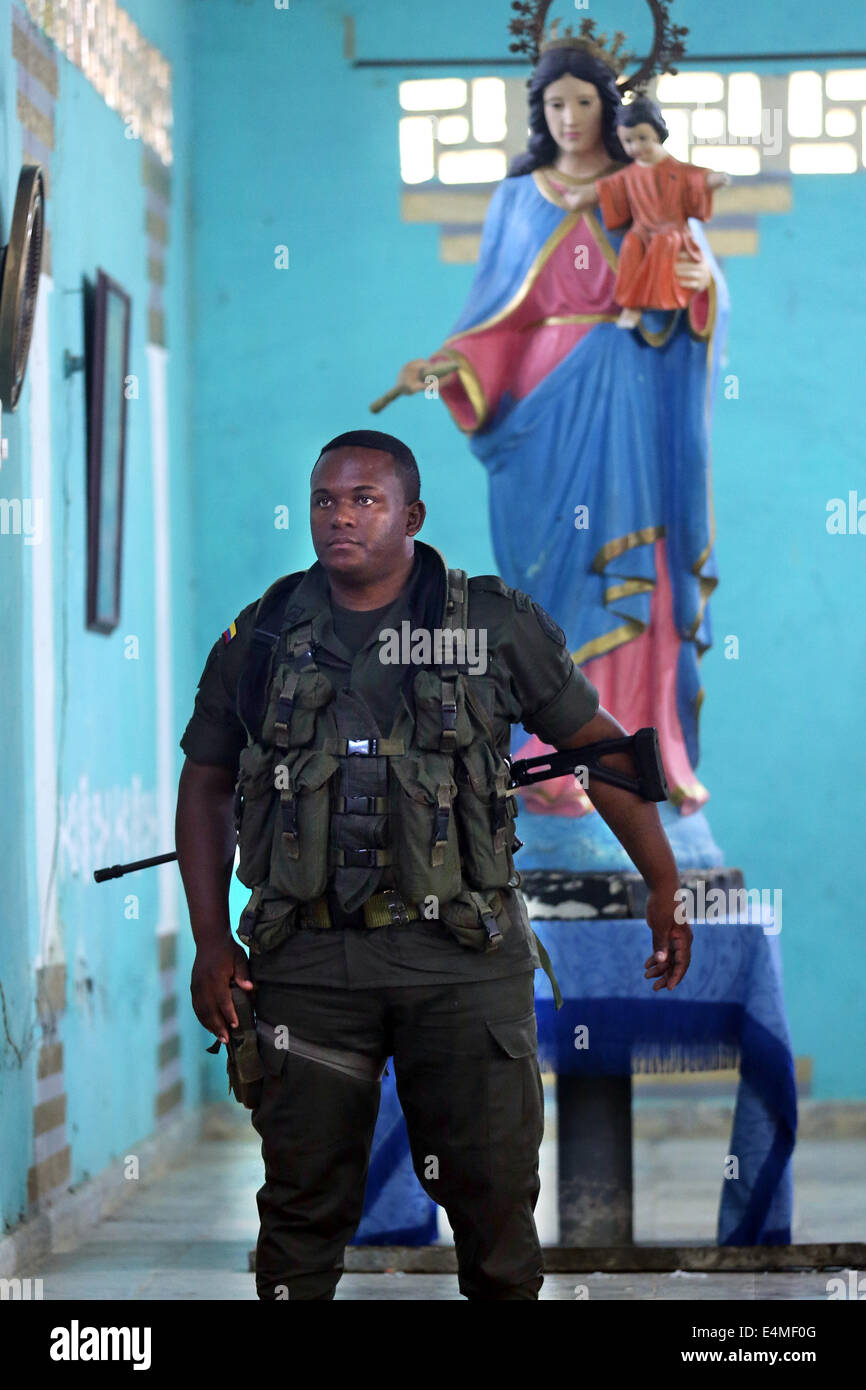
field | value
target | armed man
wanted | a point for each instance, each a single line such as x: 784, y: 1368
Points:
x: 365, y: 778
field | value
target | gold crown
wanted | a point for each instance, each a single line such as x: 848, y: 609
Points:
x: 612, y: 53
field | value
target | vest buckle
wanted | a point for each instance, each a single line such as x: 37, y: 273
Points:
x: 361, y: 746
x: 361, y: 805
x: 397, y: 909
x: 360, y: 858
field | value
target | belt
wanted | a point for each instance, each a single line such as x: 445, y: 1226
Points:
x: 355, y: 1064
x: 383, y: 909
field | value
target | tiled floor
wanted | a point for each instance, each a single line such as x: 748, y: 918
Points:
x: 187, y: 1235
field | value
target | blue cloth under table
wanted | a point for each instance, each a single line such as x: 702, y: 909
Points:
x: 397, y: 1210
x: 728, y: 1009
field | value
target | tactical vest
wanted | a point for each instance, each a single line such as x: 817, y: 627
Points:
x: 429, y: 805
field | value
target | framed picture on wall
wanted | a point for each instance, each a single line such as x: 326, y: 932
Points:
x: 107, y: 336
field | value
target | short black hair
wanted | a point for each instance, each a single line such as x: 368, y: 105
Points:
x: 643, y: 111
x: 404, y: 459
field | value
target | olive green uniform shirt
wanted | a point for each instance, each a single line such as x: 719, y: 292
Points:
x: 529, y: 679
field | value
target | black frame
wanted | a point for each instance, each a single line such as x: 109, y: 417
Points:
x: 100, y: 372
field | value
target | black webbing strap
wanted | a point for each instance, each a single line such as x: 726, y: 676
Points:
x: 488, y: 920
x: 300, y: 649
x: 254, y: 676
x: 456, y: 612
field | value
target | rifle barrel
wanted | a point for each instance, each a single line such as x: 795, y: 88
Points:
x: 118, y: 870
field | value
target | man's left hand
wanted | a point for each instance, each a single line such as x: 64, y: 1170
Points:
x: 672, y: 942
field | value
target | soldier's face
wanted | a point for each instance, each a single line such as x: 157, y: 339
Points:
x: 359, y: 517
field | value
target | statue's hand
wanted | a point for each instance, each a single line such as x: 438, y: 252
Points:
x: 693, y: 275
x: 411, y: 377
x: 579, y: 199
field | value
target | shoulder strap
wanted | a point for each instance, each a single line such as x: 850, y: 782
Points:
x: 492, y: 584
x: 457, y: 603
x: 454, y: 619
x: 254, y: 676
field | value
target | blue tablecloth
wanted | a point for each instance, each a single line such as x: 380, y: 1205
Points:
x: 728, y: 1011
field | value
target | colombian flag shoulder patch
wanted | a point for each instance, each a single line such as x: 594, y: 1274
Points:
x: 230, y: 632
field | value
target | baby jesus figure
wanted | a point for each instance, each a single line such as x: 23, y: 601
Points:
x: 656, y: 194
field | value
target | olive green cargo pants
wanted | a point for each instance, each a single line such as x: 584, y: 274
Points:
x: 464, y: 1058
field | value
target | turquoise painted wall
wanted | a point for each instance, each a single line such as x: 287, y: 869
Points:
x: 283, y: 360
x: 105, y: 704
x: 16, y: 1004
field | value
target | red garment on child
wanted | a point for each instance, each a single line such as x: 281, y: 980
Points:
x: 657, y: 199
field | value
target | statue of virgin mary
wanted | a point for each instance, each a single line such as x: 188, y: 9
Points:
x: 596, y: 441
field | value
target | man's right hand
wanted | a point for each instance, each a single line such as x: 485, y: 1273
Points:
x: 217, y: 965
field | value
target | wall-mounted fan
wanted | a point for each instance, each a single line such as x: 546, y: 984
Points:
x: 19, y: 282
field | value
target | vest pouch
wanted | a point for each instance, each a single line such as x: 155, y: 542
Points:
x: 441, y: 718
x: 299, y: 851
x: 485, y: 815
x: 266, y: 921
x: 477, y: 920
x: 424, y: 844
x: 294, y: 700
x: 255, y: 813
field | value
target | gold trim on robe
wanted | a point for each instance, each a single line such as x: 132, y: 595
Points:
x: 600, y: 236
x: 705, y: 334
x: 612, y: 549
x: 707, y: 585
x: 557, y: 319
x: 541, y: 179
x: 627, y: 588
x: 532, y: 274
x: 608, y: 641
x: 660, y: 336
x: 468, y: 378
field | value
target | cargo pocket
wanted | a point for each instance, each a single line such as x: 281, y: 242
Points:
x: 517, y: 1037
x: 267, y: 921
x: 515, y: 1096
x: 425, y: 847
x: 485, y: 815
x: 476, y: 919
x: 293, y: 705
x: 299, y: 852
x: 441, y: 718
x: 255, y: 813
